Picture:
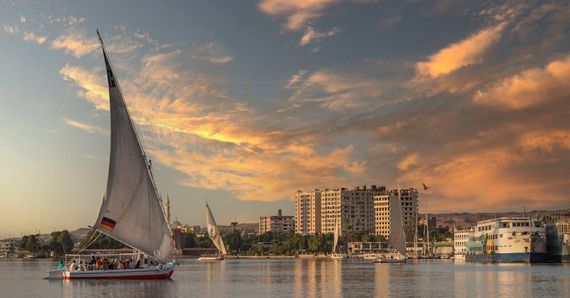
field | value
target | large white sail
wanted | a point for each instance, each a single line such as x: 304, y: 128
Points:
x: 214, y: 232
x: 131, y: 211
x: 397, y: 236
x: 336, y: 234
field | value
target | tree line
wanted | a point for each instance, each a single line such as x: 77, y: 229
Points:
x: 60, y: 243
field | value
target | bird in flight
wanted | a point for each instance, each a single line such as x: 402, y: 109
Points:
x: 425, y: 186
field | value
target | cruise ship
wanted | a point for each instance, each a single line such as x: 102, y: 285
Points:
x: 507, y: 240
x: 558, y: 240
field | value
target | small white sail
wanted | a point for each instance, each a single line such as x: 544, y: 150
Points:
x: 214, y: 232
x: 131, y: 211
x: 336, y: 234
x: 397, y: 237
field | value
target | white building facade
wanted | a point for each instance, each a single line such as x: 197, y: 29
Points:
x: 382, y: 210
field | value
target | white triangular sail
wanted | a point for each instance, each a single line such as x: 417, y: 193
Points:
x: 397, y: 236
x: 214, y: 232
x: 336, y: 234
x: 131, y: 211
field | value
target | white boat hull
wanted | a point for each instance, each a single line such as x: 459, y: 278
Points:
x: 163, y: 271
x: 211, y: 258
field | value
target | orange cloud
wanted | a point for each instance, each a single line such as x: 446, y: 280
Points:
x: 298, y: 12
x: 530, y: 87
x: 466, y: 52
x: 333, y: 90
x: 409, y: 161
x: 31, y: 36
x: 488, y: 178
x: 75, y: 43
x: 85, y: 127
x: 313, y: 36
x: 93, y: 87
x: 190, y: 124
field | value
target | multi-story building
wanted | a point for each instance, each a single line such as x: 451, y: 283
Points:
x: 383, y: 210
x: 460, y: 238
x: 321, y: 210
x: 308, y: 212
x: 276, y: 223
x: 352, y: 208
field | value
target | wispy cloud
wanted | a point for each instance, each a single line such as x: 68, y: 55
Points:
x: 297, y: 12
x: 296, y: 78
x: 26, y: 35
x: 11, y: 29
x: 212, y: 53
x: 31, y: 36
x: 85, y: 127
x: 75, y: 43
x: 313, y: 36
x: 333, y: 90
x: 92, y: 87
x: 530, y: 87
x: 466, y: 52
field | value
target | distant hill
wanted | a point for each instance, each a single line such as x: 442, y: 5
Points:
x: 470, y: 219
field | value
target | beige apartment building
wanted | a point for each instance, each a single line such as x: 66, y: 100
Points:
x: 276, y: 223
x: 353, y: 208
x: 308, y: 212
x: 382, y: 210
x: 320, y: 210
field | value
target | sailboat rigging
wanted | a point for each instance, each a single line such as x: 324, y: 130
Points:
x: 131, y: 212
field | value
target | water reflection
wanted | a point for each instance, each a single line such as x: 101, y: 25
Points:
x: 303, y: 278
x: 114, y: 288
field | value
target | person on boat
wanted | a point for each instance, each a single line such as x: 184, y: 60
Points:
x: 80, y: 267
x: 138, y: 265
x: 72, y: 266
x: 61, y: 265
x: 98, y: 264
x: 131, y: 264
x: 105, y: 264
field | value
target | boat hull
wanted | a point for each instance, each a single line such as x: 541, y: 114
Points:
x: 390, y: 261
x: 507, y: 258
x: 217, y: 258
x: 164, y: 271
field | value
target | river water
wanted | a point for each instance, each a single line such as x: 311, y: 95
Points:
x: 303, y: 278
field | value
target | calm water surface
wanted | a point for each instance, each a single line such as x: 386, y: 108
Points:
x: 302, y: 278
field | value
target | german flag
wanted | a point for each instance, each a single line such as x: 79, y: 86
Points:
x: 107, y: 224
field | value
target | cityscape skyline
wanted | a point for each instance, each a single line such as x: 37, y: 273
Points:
x: 246, y: 103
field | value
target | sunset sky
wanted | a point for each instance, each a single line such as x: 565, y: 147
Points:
x: 244, y: 102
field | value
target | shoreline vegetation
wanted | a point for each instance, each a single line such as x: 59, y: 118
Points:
x: 237, y: 242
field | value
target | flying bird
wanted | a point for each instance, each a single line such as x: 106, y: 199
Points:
x: 425, y: 186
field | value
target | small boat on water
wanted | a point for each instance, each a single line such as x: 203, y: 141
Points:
x: 131, y: 211
x: 391, y: 258
x: 335, y: 254
x: 214, y: 234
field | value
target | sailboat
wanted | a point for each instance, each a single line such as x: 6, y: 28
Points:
x: 397, y: 241
x: 131, y: 212
x: 214, y: 234
x: 335, y: 254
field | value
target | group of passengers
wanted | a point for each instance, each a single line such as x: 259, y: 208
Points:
x: 101, y: 264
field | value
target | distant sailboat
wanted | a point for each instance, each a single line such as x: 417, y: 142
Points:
x: 335, y: 254
x: 215, y: 236
x: 397, y: 240
x: 131, y: 212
